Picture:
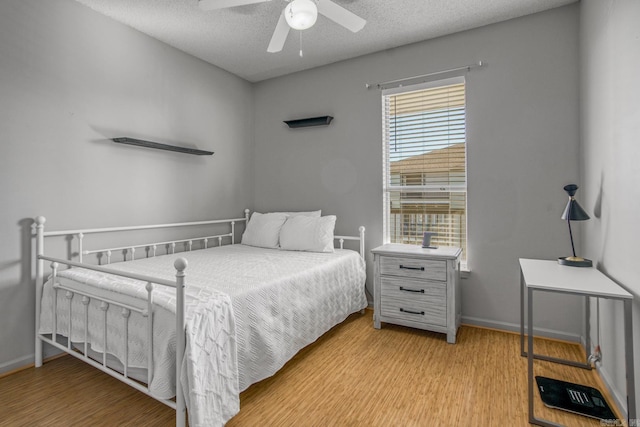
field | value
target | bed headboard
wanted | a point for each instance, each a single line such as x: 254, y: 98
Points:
x: 129, y: 251
x: 151, y: 249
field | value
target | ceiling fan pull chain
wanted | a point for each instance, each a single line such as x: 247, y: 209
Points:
x: 300, y: 43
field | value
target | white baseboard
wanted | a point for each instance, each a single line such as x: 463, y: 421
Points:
x: 515, y: 327
x: 16, y: 363
x: 48, y: 351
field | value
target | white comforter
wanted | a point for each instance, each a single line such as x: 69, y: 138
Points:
x: 281, y: 301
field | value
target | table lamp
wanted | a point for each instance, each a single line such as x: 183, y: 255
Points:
x: 573, y: 212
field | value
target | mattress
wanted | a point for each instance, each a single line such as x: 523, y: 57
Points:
x: 271, y: 304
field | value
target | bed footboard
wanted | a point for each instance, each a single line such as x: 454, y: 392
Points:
x: 108, y: 304
x: 125, y: 311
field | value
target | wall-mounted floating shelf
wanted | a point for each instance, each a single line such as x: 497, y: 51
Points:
x: 312, y: 121
x: 159, y: 146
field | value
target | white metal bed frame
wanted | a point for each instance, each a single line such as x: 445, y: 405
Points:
x: 180, y: 265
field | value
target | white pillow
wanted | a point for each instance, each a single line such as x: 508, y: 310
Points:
x: 315, y: 214
x: 263, y: 230
x: 305, y: 233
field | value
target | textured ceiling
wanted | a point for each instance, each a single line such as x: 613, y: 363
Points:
x: 236, y: 39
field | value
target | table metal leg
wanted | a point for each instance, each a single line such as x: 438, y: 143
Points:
x: 587, y: 337
x: 628, y: 340
x: 522, y: 285
x: 530, y: 354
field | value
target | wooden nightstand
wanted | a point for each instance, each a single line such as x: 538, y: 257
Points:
x: 417, y: 287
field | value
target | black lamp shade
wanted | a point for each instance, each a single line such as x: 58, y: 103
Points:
x: 574, y: 212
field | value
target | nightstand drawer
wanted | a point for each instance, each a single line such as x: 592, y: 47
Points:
x: 417, y: 268
x: 413, y: 290
x: 433, y: 313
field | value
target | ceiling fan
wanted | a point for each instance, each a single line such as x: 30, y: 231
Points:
x: 298, y: 14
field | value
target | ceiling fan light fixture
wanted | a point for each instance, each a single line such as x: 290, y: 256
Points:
x: 301, y: 14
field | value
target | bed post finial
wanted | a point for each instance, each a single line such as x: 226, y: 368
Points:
x: 181, y: 264
x: 246, y: 215
x: 361, y: 230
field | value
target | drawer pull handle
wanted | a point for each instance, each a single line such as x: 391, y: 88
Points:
x: 412, y: 312
x: 421, y: 291
x: 411, y: 268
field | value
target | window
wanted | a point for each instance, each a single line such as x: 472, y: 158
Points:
x: 425, y: 175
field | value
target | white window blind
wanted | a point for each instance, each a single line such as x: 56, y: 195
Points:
x: 425, y: 176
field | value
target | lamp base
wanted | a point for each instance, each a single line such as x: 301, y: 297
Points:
x: 574, y: 261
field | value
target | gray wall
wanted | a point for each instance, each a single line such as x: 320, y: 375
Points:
x: 522, y: 149
x: 610, y: 125
x: 69, y: 80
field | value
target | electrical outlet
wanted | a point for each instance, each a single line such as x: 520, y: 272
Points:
x: 595, y: 356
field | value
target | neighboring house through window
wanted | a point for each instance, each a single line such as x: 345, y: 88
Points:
x: 425, y: 175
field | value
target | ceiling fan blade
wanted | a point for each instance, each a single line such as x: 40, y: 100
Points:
x: 341, y: 16
x: 222, y: 4
x: 279, y: 35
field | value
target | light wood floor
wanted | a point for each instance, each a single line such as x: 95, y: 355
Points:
x: 353, y: 376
